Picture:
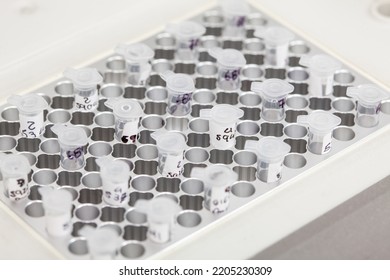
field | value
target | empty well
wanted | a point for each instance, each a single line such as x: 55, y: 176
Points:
x: 294, y: 161
x: 157, y: 93
x: 248, y: 128
x: 64, y: 88
x: 250, y: 99
x: 189, y: 219
x: 143, y: 183
x: 203, y: 96
x: 176, y: 123
x: 299, y: 48
x: 295, y: 131
x: 92, y: 180
x: 87, y: 212
x: 192, y: 186
x: 245, y: 158
x: 161, y: 65
x: 385, y: 107
x: 44, y: 177
x: 168, y: 185
x: 132, y: 250
x: 196, y: 155
x: 253, y: 46
x: 153, y: 122
x: 105, y: 119
x: 343, y: 104
x: 199, y: 125
x: 50, y: 146
x: 112, y: 226
x: 343, y: 77
x: 111, y: 90
x: 135, y: 217
x: 297, y: 74
x: 147, y: 152
x: 7, y: 143
x: 342, y: 133
x: 296, y: 102
x: 116, y: 63
x: 34, y: 209
x: 252, y: 71
x: 10, y: 114
x: 206, y: 69
x: 78, y: 246
x: 30, y: 157
x: 99, y: 149
x: 243, y: 189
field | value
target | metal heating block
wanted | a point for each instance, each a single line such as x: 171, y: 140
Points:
x: 85, y: 184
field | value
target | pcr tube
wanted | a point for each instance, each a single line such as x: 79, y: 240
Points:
x: 161, y: 213
x: 115, y: 176
x: 85, y: 83
x: 30, y: 107
x: 321, y: 125
x: 15, y: 169
x: 270, y: 152
x: 58, y: 205
x: 222, y: 122
x: 180, y: 88
x: 369, y: 98
x: 137, y: 58
x: 127, y: 115
x: 276, y: 41
x: 274, y: 93
x: 217, y: 180
x: 102, y: 243
x: 188, y: 34
x: 321, y: 68
x: 171, y: 147
x: 235, y: 12
x: 72, y: 141
x: 230, y: 62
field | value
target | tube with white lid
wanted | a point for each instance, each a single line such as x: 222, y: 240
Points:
x: 85, y: 81
x: 369, y: 98
x: 127, y: 114
x: 223, y: 120
x: 15, y: 169
x: 73, y: 140
x: 161, y: 213
x: 187, y: 35
x: 31, y: 118
x: 322, y: 68
x: 115, y: 176
x: 230, y: 62
x: 58, y: 206
x: 137, y: 58
x: 276, y: 40
x: 274, y: 93
x: 235, y: 13
x: 217, y: 180
x: 320, y: 126
x: 171, y: 147
x: 102, y: 243
x: 180, y: 88
x: 271, y: 152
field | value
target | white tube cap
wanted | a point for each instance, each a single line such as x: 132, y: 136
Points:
x: 273, y: 88
x: 102, y: 242
x: 274, y: 35
x: 170, y: 142
x: 84, y: 78
x: 125, y: 108
x: 56, y: 201
x: 70, y: 135
x: 321, y: 64
x: 14, y: 165
x: 269, y: 149
x: 215, y: 175
x: 158, y: 210
x: 113, y: 170
x: 229, y: 58
x: 181, y: 83
x: 138, y: 52
x: 235, y: 7
x: 319, y: 121
x: 186, y: 29
x: 368, y: 94
x: 222, y: 113
x: 31, y: 103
